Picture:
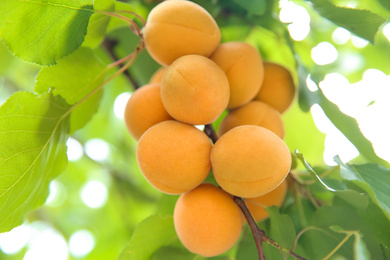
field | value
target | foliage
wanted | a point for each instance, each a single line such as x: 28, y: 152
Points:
x: 66, y: 87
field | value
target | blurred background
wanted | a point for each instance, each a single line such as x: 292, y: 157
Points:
x: 94, y: 206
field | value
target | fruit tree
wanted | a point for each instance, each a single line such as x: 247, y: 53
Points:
x: 189, y: 129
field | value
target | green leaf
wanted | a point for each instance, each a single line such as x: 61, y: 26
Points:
x: 282, y: 227
x: 74, y: 78
x: 254, y: 7
x: 348, y: 221
x: 116, y: 22
x: 173, y: 253
x: 353, y: 197
x: 373, y: 179
x: 360, y: 250
x: 363, y: 23
x: 98, y: 23
x: 346, y: 124
x: 149, y: 235
x: 43, y: 31
x: 247, y: 247
x: 33, y: 133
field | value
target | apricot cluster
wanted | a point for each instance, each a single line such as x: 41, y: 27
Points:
x: 200, y: 78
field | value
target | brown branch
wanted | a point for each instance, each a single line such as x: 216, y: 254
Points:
x: 210, y: 132
x: 258, y: 234
x: 110, y: 44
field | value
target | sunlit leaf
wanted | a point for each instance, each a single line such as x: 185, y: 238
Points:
x: 43, y: 31
x: 149, y: 235
x: 74, y: 78
x: 33, y: 133
x: 98, y: 23
x: 346, y: 124
x: 363, y: 23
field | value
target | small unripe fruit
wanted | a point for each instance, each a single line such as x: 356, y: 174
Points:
x: 174, y: 157
x: 254, y: 113
x: 243, y: 66
x: 144, y: 109
x: 194, y: 90
x: 176, y: 28
x: 207, y: 220
x: 278, y: 89
x: 272, y: 198
x: 250, y: 161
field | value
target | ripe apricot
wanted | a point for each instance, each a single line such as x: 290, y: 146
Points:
x: 194, y: 90
x: 144, y: 109
x: 243, y: 66
x: 174, y: 157
x: 253, y: 113
x: 207, y: 220
x: 249, y: 161
x: 176, y: 28
x: 157, y: 75
x: 274, y: 197
x: 278, y: 89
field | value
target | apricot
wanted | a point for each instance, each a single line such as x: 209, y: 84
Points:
x: 176, y: 28
x: 174, y: 157
x: 274, y: 197
x: 194, y: 90
x: 144, y: 109
x: 249, y: 161
x: 207, y: 220
x: 278, y: 89
x: 253, y: 113
x: 157, y: 75
x: 243, y: 66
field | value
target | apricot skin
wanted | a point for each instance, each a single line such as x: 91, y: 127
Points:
x: 144, y: 109
x: 274, y: 197
x: 243, y: 66
x: 194, y: 90
x: 254, y: 113
x: 174, y: 157
x: 207, y: 221
x: 278, y: 89
x: 250, y: 161
x: 157, y: 75
x: 176, y: 28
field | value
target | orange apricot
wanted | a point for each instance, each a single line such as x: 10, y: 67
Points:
x: 207, y: 220
x: 253, y: 113
x: 243, y: 66
x: 249, y: 161
x: 194, y: 90
x: 144, y: 109
x: 174, y: 157
x: 157, y: 75
x: 176, y: 28
x: 274, y: 197
x: 278, y: 89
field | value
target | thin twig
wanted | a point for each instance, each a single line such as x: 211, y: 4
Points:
x: 110, y: 44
